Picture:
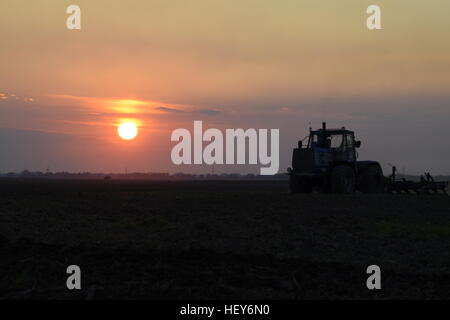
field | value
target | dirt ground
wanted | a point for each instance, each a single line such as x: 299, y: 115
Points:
x: 218, y: 240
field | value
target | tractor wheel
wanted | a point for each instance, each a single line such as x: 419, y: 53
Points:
x: 297, y: 185
x: 373, y: 180
x: 343, y: 179
x: 294, y: 186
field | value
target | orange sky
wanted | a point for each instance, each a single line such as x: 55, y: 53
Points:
x: 260, y: 64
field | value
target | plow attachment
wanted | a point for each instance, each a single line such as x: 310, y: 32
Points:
x: 426, y: 185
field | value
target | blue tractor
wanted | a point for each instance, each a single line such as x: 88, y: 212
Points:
x: 328, y: 163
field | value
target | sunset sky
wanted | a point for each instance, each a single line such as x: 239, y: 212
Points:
x: 249, y: 63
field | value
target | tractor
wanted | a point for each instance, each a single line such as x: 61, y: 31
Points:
x: 328, y: 163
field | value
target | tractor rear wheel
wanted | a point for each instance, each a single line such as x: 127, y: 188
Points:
x: 343, y: 179
x: 373, y: 180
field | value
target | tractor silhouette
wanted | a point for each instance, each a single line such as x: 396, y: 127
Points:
x: 328, y: 163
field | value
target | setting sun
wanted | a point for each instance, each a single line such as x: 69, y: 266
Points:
x: 127, y: 130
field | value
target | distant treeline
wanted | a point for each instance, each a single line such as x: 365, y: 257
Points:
x: 167, y: 176
x: 140, y: 176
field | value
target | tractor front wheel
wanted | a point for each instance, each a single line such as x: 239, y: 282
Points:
x: 298, y: 185
x: 343, y: 179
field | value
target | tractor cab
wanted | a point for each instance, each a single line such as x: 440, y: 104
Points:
x: 324, y: 149
x: 338, y: 142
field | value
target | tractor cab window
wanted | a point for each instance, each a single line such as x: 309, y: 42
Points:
x: 337, y: 141
x: 327, y: 141
x: 320, y: 141
x: 350, y: 141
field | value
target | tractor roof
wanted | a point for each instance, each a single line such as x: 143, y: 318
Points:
x: 332, y: 131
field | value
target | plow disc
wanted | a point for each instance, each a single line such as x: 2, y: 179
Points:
x: 426, y: 185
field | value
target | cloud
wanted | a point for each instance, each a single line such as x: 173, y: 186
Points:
x: 166, y: 109
x: 208, y: 112
x: 12, y: 96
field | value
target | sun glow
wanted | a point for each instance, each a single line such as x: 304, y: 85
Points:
x: 127, y: 130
